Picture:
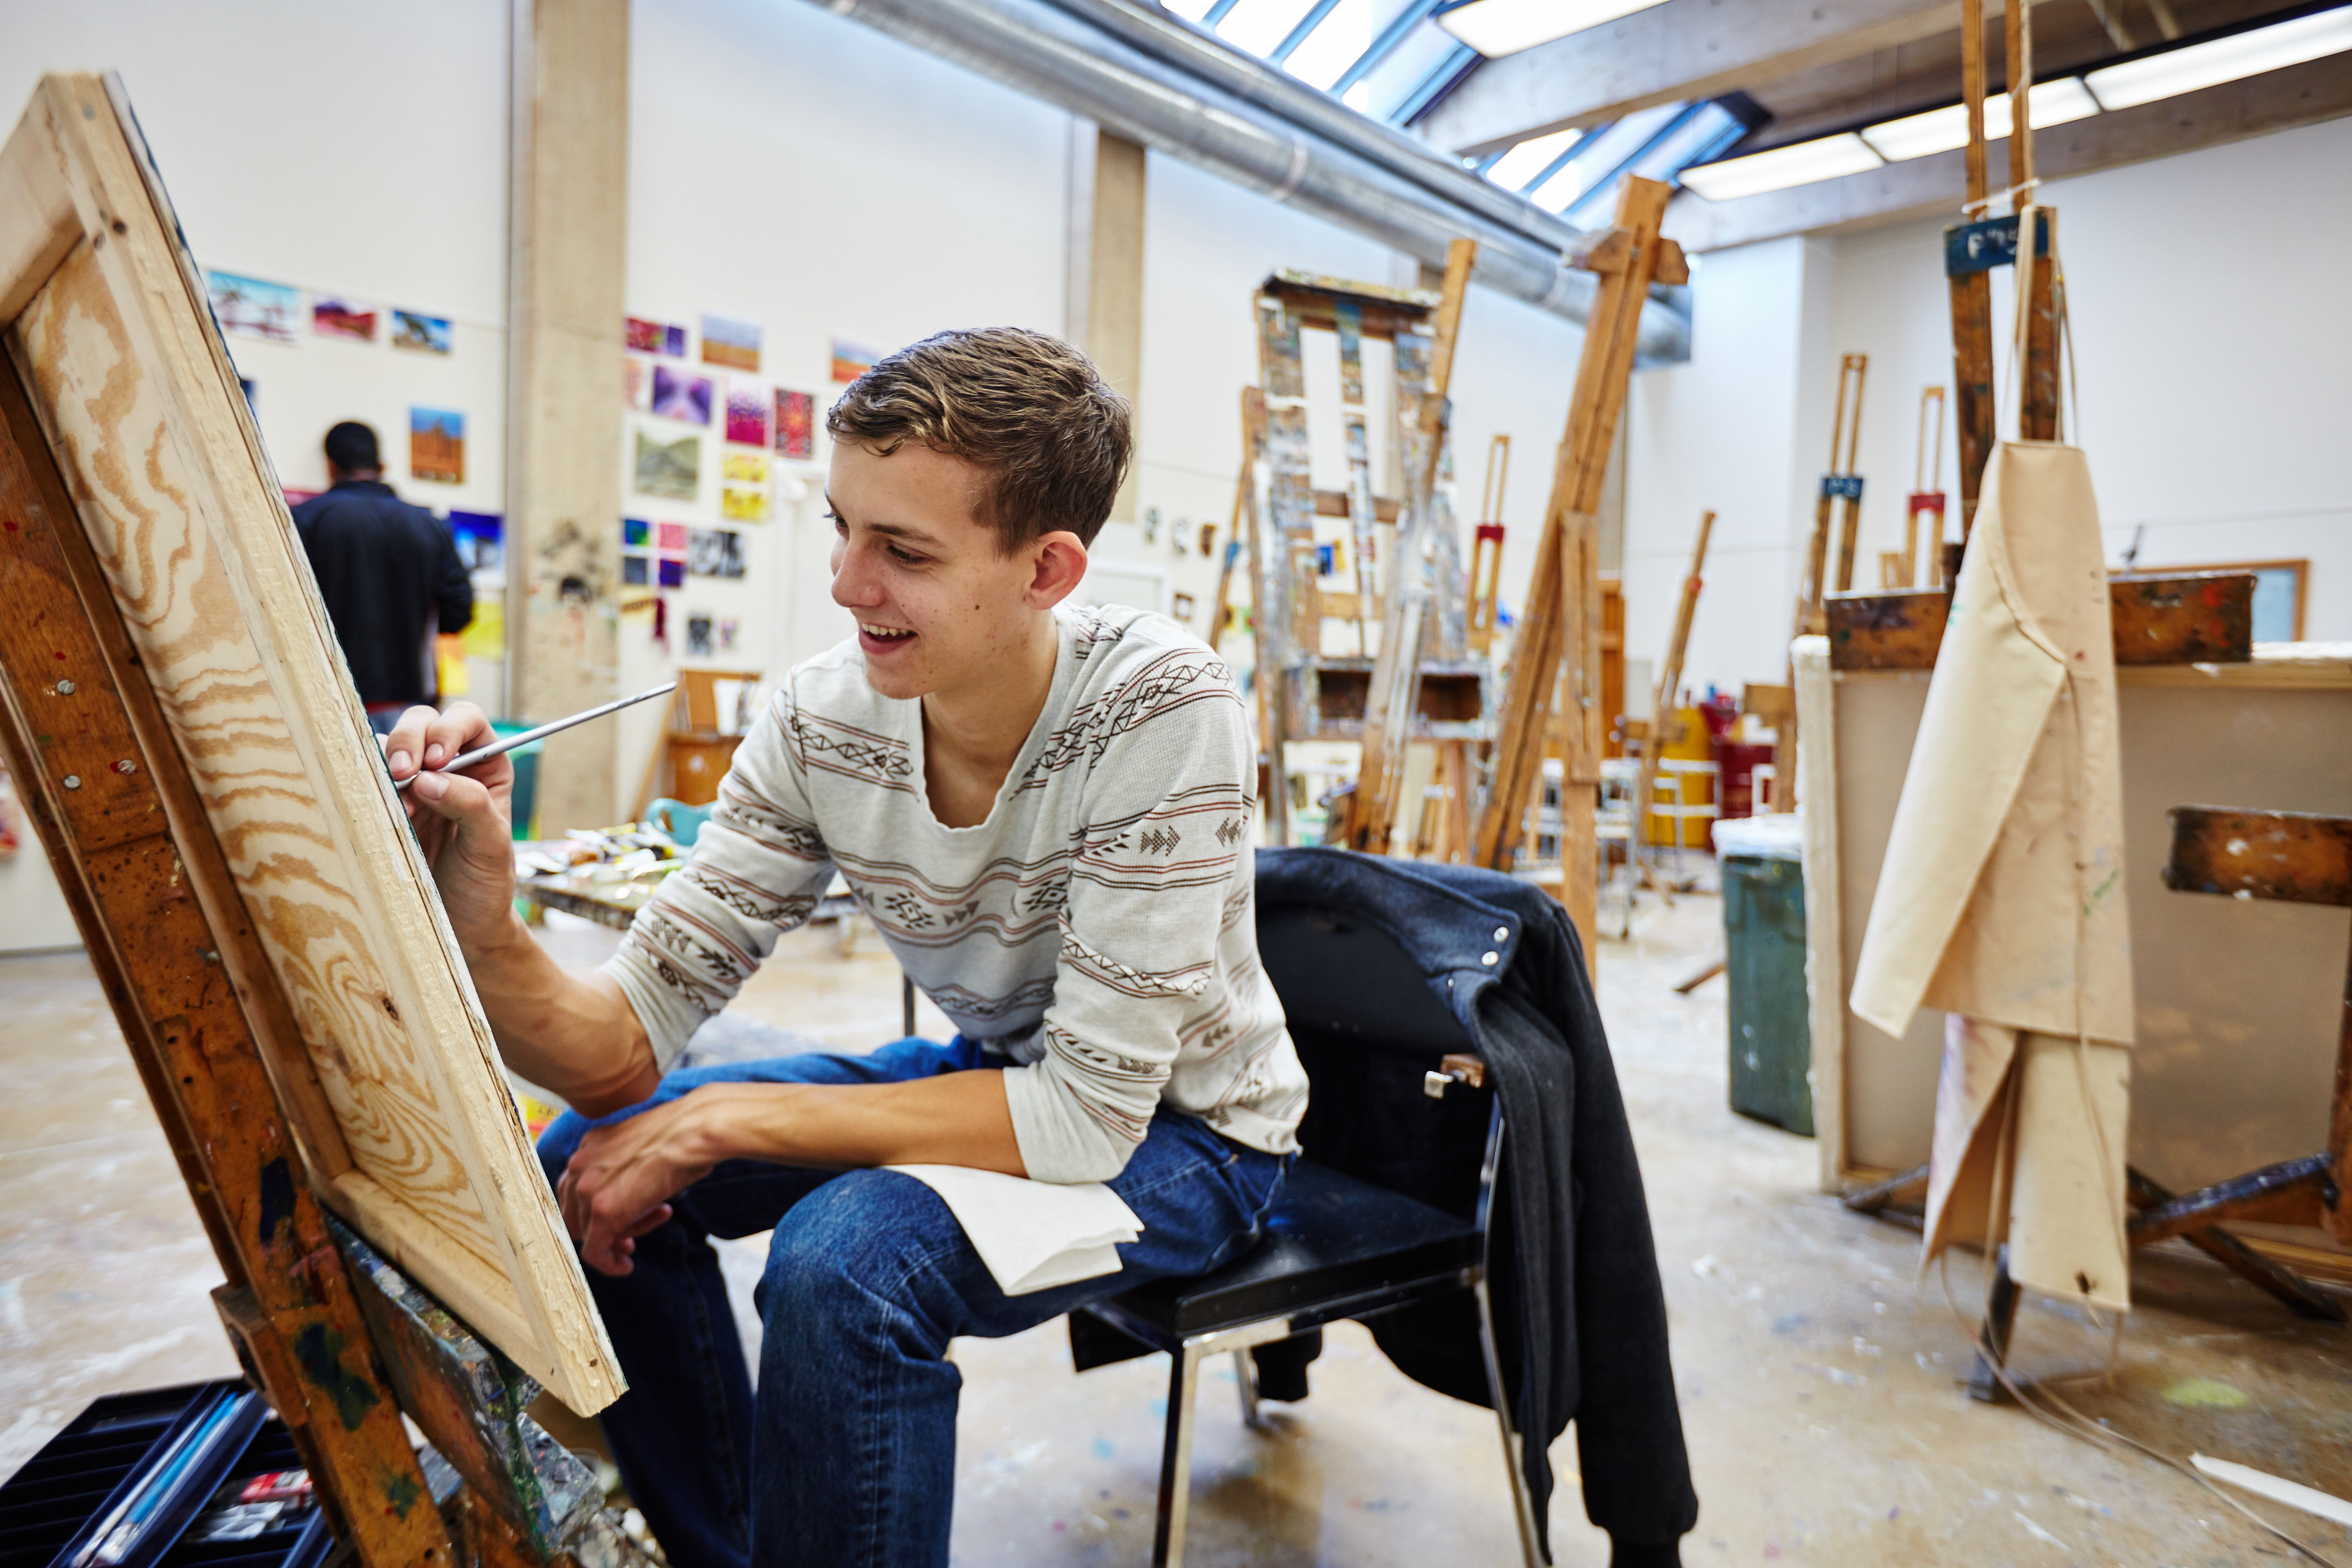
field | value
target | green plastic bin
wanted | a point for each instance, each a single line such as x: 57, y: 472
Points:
x: 1770, y: 1032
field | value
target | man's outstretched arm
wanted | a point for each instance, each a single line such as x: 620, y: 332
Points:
x: 571, y: 1032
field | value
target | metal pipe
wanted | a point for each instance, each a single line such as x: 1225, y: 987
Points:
x: 1042, y: 49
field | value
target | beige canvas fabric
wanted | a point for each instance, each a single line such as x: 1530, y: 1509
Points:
x: 2000, y: 900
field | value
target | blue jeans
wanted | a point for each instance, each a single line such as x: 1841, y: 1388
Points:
x: 847, y: 1454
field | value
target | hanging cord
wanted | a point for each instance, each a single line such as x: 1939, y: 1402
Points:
x: 2065, y: 1419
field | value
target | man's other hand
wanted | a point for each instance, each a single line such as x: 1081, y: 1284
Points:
x: 461, y: 820
x: 619, y: 1183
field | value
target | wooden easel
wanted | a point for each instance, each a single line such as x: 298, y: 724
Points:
x: 1926, y: 499
x: 1556, y: 653
x: 1841, y: 486
x: 1305, y: 693
x: 1656, y: 732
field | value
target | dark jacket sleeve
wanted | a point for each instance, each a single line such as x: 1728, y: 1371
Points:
x: 457, y: 586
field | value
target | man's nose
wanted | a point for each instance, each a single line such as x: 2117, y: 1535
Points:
x: 853, y: 580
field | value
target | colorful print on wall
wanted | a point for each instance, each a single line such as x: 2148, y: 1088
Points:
x: 670, y: 469
x: 850, y: 361
x: 481, y: 539
x: 637, y: 385
x: 436, y: 446
x: 424, y: 334
x: 743, y: 493
x: 341, y: 318
x: 655, y: 337
x: 697, y: 636
x: 248, y: 307
x: 636, y: 533
x: 746, y: 412
x: 729, y: 628
x: 713, y: 552
x: 735, y: 345
x: 635, y: 573
x: 669, y: 538
x: 673, y: 573
x: 795, y: 424
x: 677, y: 396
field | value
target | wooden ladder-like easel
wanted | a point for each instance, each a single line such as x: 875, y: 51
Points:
x: 1556, y: 653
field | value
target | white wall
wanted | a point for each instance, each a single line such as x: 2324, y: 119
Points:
x: 2211, y: 330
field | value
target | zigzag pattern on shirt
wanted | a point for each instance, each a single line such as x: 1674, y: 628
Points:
x: 714, y: 966
x: 749, y: 899
x: 1095, y: 1065
x: 752, y: 815
x: 1189, y: 979
x: 906, y: 904
x: 1185, y: 841
x: 1176, y: 680
x: 828, y: 745
x: 959, y: 1004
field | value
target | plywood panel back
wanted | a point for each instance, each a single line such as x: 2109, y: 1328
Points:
x: 144, y: 415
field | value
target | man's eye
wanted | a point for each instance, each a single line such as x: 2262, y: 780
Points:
x: 905, y: 557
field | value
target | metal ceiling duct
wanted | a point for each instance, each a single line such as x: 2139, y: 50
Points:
x: 1399, y: 196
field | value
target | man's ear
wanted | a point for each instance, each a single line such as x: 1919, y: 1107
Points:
x: 1060, y: 561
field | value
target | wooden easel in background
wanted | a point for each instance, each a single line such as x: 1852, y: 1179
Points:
x: 1306, y: 693
x: 1902, y: 571
x: 1654, y: 734
x: 1556, y: 654
x: 1840, y: 484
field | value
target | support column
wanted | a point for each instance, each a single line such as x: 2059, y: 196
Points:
x: 567, y: 252
x: 1115, y: 282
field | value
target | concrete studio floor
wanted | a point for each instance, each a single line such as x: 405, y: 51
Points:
x: 1817, y: 1373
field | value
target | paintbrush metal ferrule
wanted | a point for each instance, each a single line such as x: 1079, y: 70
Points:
x: 509, y: 743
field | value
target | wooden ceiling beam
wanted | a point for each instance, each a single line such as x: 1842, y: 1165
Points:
x: 1681, y: 49
x: 2304, y: 94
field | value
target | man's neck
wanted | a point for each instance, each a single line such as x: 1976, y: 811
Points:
x: 980, y: 726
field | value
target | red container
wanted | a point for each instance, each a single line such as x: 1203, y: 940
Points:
x: 1738, y: 761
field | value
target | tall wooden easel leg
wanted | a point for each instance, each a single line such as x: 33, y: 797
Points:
x: 115, y: 809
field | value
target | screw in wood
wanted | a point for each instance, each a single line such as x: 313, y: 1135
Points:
x: 73, y: 781
x: 65, y: 689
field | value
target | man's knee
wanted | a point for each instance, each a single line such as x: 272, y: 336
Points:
x: 866, y: 1241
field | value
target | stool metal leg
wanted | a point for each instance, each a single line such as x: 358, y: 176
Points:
x: 1246, y: 1378
x: 1176, y: 1460
x: 1522, y: 1505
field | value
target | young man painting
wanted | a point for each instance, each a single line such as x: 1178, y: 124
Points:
x: 1047, y: 813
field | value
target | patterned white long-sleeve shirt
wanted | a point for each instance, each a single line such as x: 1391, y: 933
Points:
x: 1098, y: 929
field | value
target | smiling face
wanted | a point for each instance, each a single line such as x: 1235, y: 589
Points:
x: 940, y: 607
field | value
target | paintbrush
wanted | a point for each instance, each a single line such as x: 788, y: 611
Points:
x: 506, y: 744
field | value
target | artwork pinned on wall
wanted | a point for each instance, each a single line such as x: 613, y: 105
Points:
x: 713, y: 552
x: 637, y: 384
x: 636, y: 533
x: 481, y: 539
x: 680, y: 396
x: 743, y: 493
x: 850, y: 361
x: 634, y: 570
x: 248, y: 307
x: 746, y: 412
x: 697, y: 636
x: 729, y: 629
x: 732, y: 344
x: 421, y: 333
x: 655, y: 337
x: 341, y: 318
x: 673, y: 573
x: 436, y: 446
x: 669, y: 538
x: 795, y: 424
x: 671, y: 468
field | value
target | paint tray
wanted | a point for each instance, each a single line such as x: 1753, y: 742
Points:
x: 135, y: 1476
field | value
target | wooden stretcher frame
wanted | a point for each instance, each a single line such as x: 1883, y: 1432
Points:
x: 375, y: 1039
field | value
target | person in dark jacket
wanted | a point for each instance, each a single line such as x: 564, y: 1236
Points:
x: 389, y: 573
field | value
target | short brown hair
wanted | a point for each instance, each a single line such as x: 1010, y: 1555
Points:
x: 1028, y: 407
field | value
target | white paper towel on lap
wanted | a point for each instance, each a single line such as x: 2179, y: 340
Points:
x: 1031, y: 1235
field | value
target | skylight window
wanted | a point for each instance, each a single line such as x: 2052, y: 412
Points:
x: 1498, y: 28
x: 1259, y: 26
x: 1530, y: 158
x: 1337, y: 41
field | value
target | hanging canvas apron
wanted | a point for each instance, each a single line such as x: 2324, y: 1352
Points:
x: 2000, y: 900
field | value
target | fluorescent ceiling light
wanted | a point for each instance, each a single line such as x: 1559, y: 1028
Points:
x: 2223, y: 59
x: 2055, y: 102
x: 1191, y: 10
x: 1497, y: 27
x: 1799, y: 163
x: 1530, y: 158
